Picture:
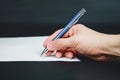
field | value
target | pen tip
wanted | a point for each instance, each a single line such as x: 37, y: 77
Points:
x: 44, y: 51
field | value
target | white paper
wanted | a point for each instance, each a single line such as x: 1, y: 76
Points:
x: 25, y: 49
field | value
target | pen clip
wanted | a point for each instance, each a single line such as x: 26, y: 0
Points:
x: 76, y: 21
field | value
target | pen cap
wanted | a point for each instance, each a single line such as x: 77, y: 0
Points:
x: 80, y: 14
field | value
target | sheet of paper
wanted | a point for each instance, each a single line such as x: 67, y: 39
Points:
x: 25, y: 49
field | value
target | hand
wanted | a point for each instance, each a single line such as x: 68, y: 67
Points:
x: 80, y: 40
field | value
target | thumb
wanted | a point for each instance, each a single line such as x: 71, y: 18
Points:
x: 60, y: 44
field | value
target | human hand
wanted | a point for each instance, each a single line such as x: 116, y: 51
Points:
x: 80, y: 40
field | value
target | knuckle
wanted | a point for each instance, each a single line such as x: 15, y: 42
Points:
x: 81, y: 25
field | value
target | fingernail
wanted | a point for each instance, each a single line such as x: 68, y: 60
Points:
x: 70, y: 56
x: 47, y: 54
x: 50, y: 46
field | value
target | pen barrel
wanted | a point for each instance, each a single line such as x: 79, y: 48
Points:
x: 71, y: 23
x: 62, y: 33
x: 68, y: 26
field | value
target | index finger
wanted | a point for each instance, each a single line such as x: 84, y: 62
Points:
x: 50, y: 38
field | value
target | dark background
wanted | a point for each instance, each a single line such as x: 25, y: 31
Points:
x: 43, y: 17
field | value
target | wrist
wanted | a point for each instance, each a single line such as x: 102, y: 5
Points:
x: 112, y: 46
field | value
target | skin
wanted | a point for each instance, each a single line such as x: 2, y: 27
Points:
x: 85, y: 42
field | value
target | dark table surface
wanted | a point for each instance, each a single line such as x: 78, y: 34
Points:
x: 85, y: 70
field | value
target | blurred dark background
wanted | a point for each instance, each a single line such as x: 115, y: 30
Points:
x: 43, y: 17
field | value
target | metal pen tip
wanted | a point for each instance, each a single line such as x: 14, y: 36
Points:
x: 44, y: 51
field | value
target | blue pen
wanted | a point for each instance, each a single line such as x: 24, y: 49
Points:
x: 67, y: 27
